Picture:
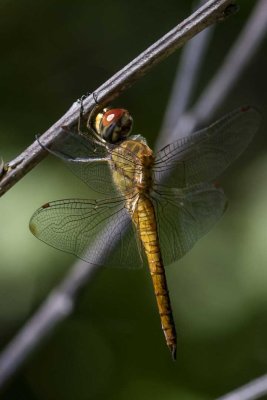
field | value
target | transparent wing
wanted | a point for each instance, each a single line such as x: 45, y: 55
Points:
x: 204, y: 155
x: 98, y: 232
x: 184, y: 215
x: 91, y: 160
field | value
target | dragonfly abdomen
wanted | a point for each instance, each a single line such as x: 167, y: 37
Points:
x: 145, y: 222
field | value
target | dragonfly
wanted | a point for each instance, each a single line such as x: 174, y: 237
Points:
x: 151, y: 207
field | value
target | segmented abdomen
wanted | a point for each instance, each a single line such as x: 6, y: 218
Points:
x: 145, y: 222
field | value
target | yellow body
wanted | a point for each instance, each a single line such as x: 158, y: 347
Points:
x: 132, y: 174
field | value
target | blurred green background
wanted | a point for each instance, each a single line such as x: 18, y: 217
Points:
x: 112, y: 346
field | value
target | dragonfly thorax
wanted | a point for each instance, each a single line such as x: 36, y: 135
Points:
x: 132, y: 163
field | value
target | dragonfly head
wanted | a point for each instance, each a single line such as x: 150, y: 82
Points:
x: 114, y: 124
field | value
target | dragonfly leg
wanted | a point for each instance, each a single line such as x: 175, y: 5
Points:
x: 82, y: 120
x: 87, y: 124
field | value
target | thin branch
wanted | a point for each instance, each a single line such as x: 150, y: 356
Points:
x: 237, y: 59
x: 211, y: 12
x: 252, y: 391
x: 58, y: 305
x: 185, y: 81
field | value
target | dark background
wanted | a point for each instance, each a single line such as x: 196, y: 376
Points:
x: 112, y: 346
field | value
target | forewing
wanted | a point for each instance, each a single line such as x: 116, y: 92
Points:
x: 94, y: 162
x: 204, y: 155
x: 87, y: 158
x: 184, y: 215
x: 98, y: 232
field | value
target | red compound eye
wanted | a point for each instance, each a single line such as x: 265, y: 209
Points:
x: 114, y: 125
x: 112, y: 116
